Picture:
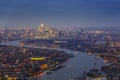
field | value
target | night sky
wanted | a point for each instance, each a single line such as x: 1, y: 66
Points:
x: 80, y: 13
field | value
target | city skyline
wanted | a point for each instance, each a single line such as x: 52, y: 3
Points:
x: 60, y: 13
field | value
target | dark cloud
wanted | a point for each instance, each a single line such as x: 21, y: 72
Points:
x: 74, y: 12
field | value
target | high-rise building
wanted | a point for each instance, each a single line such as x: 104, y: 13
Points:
x: 44, y: 32
x: 41, y: 28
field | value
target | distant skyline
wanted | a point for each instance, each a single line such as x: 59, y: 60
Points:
x: 60, y: 13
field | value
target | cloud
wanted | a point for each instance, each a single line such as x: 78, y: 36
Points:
x: 86, y: 11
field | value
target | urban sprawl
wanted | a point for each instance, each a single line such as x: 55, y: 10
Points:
x: 28, y: 61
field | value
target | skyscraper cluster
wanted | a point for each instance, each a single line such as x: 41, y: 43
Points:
x: 44, y: 32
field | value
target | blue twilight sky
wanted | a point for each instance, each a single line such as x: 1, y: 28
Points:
x: 16, y: 13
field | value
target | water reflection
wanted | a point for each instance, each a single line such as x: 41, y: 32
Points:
x: 74, y: 67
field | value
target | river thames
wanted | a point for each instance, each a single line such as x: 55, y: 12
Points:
x: 74, y: 67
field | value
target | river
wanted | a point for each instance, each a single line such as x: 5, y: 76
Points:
x: 74, y: 67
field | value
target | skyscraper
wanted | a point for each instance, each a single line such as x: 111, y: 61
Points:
x: 41, y: 28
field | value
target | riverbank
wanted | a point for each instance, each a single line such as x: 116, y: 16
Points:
x: 16, y: 61
x: 73, y: 67
x: 110, y: 55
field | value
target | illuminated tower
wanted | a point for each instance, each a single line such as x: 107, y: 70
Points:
x: 41, y: 28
